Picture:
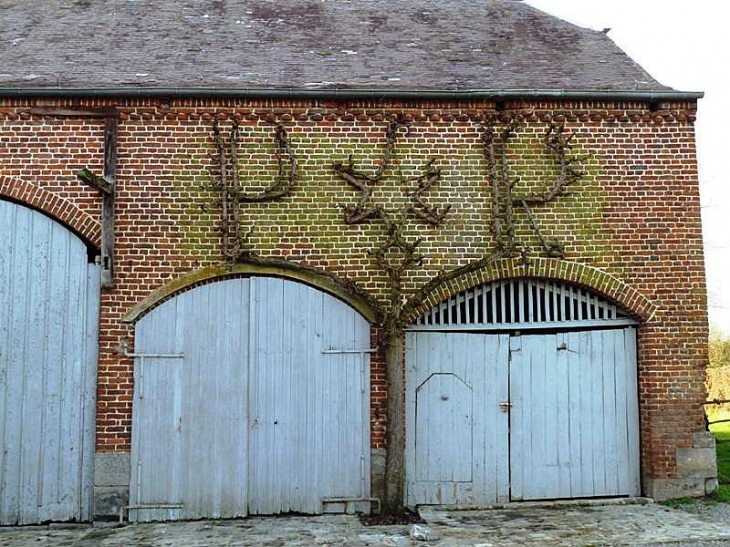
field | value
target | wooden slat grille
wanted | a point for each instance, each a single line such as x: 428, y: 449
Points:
x: 522, y: 301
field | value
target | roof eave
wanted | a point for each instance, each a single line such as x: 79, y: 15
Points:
x: 354, y: 93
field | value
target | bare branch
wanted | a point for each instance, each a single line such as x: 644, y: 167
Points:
x: 223, y: 186
x: 284, y: 182
x: 558, y: 143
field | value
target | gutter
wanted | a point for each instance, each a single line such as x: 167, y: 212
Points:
x: 345, y: 94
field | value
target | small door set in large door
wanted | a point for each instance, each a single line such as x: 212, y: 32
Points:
x: 539, y: 416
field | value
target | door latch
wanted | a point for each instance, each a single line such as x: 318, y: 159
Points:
x: 505, y: 406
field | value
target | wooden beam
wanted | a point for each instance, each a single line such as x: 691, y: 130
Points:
x: 107, y: 209
x: 100, y: 183
x: 81, y: 112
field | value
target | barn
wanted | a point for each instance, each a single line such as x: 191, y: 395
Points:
x: 322, y: 256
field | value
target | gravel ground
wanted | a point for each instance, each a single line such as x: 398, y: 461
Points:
x: 718, y: 512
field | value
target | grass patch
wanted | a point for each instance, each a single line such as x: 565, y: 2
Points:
x: 678, y: 503
x: 722, y: 434
x: 722, y: 494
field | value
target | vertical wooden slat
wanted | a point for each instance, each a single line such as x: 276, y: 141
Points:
x: 586, y: 419
x: 575, y: 396
x: 501, y: 309
x: 596, y: 411
x: 621, y: 393
x: 608, y: 361
x: 562, y: 419
x: 632, y: 405
x: 512, y: 298
x: 579, y: 302
x: 555, y: 315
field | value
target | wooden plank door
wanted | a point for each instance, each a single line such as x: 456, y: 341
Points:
x: 49, y: 315
x: 189, y: 445
x: 574, y: 419
x: 309, y: 404
x: 457, y: 438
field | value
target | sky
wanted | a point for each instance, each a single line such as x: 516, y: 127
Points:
x: 686, y: 45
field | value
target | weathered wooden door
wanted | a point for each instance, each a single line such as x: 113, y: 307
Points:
x: 309, y: 392
x: 189, y: 422
x: 49, y: 314
x: 251, y: 396
x: 493, y: 417
x: 574, y: 417
x: 457, y: 446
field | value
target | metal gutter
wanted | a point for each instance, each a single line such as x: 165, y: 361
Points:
x: 344, y: 94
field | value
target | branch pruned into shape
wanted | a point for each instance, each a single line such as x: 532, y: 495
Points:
x: 231, y: 194
x: 559, y: 144
x: 495, y: 148
x: 395, y: 254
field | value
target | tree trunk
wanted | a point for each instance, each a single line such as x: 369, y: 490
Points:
x: 394, y: 460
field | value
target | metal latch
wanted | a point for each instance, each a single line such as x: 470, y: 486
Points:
x: 505, y: 406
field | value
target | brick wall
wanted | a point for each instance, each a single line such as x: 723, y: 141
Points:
x: 635, y: 216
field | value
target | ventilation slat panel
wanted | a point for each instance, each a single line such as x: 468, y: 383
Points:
x: 524, y: 303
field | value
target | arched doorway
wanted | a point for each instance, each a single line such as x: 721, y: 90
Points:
x: 49, y: 321
x: 521, y: 389
x: 251, y: 397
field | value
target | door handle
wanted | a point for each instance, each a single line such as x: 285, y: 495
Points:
x: 505, y: 406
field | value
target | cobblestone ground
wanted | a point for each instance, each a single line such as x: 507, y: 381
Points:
x: 594, y: 525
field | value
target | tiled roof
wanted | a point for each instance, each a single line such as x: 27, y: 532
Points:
x: 378, y: 45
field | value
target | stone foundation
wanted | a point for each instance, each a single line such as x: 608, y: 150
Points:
x: 696, y: 472
x: 111, y: 483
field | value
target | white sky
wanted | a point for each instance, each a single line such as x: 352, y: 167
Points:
x: 686, y: 45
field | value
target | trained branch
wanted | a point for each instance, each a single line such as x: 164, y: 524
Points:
x: 571, y: 170
x: 285, y: 179
x: 558, y: 143
x: 395, y: 254
x: 235, y: 244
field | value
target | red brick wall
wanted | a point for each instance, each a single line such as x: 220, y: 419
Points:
x: 635, y: 216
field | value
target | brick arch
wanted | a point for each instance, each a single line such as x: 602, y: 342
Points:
x: 599, y: 281
x: 56, y: 207
x: 274, y: 268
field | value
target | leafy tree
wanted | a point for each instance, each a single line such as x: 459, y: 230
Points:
x: 719, y: 349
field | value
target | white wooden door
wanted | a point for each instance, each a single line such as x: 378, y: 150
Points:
x: 190, y: 406
x: 309, y: 399
x: 569, y: 428
x: 574, y: 421
x: 49, y: 315
x: 457, y: 447
x: 248, y: 400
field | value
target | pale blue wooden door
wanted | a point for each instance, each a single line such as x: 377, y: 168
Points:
x: 457, y: 438
x: 250, y: 398
x: 574, y: 416
x: 189, y: 457
x: 309, y: 435
x: 49, y: 315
